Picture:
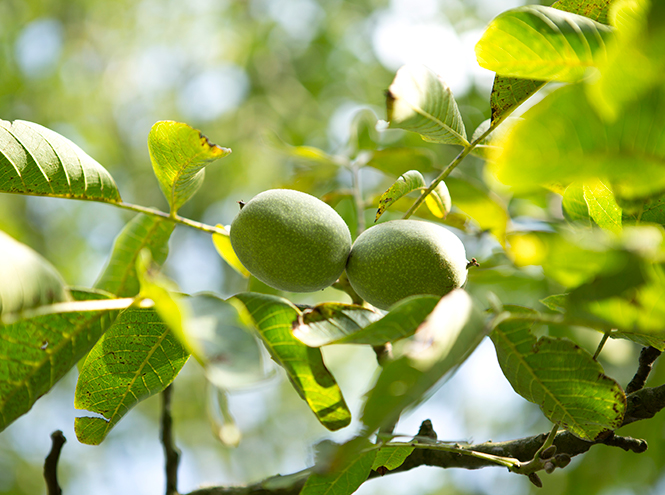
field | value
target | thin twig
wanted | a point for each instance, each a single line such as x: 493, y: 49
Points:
x: 171, y: 218
x: 601, y: 344
x: 171, y: 452
x: 51, y: 463
x: 446, y: 171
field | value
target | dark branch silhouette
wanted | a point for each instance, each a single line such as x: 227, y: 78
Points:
x: 642, y: 404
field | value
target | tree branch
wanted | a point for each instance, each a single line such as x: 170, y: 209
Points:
x: 51, y: 463
x: 648, y: 356
x: 171, y: 452
x: 643, y: 404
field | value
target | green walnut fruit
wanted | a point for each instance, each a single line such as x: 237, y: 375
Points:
x: 401, y: 258
x: 291, y: 241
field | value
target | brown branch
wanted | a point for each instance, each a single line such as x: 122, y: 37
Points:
x: 171, y: 452
x: 643, y: 404
x: 51, y: 463
x: 648, y: 356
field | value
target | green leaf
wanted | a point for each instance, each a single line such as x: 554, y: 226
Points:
x: 408, y: 182
x: 349, y: 324
x: 627, y: 154
x: 556, y: 302
x: 179, y: 154
x: 398, y: 161
x: 570, y: 258
x: 35, y: 353
x: 602, y: 205
x: 274, y: 318
x: 509, y: 92
x: 564, y: 380
x: 483, y: 207
x: 327, y: 322
x: 342, y: 481
x: 135, y: 359
x: 143, y: 231
x: 440, y: 345
x: 420, y: 101
x: 636, y: 58
x: 28, y: 280
x: 593, y: 9
x: 439, y: 201
x: 574, y: 205
x: 632, y: 302
x: 37, y: 161
x: 391, y: 456
x: 543, y: 43
x: 223, y: 246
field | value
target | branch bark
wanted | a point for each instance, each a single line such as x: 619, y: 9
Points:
x: 51, y: 463
x: 643, y: 404
x: 171, y: 452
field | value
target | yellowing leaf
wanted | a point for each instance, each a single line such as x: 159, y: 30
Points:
x: 223, y: 245
x: 179, y: 154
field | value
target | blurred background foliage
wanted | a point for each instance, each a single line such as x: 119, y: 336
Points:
x: 260, y: 76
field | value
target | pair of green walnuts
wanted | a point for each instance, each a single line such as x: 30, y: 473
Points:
x: 295, y: 242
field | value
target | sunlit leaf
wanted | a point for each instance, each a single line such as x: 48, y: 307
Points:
x: 603, y: 207
x: 355, y: 325
x: 35, y: 160
x: 408, y: 182
x: 420, y: 101
x: 223, y: 246
x: 574, y: 205
x: 543, y: 43
x: 439, y: 201
x: 274, y: 318
x: 571, y: 258
x: 135, y: 359
x: 35, y: 353
x: 179, y: 154
x: 626, y: 154
x: 441, y: 344
x: 143, y: 231
x: 509, y: 92
x: 564, y: 380
x: 636, y: 58
x: 27, y: 280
